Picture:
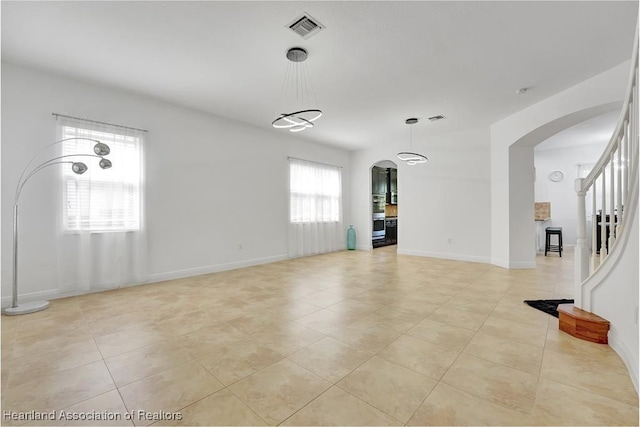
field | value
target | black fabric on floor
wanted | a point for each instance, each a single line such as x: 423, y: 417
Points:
x: 549, y: 306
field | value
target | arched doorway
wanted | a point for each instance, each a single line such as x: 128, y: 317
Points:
x: 521, y: 229
x: 384, y: 203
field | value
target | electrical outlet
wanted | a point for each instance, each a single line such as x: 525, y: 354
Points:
x: 450, y: 240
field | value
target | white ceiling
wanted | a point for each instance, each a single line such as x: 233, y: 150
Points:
x: 597, y: 130
x: 374, y: 65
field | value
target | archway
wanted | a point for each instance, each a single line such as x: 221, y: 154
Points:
x: 512, y: 168
x: 383, y: 203
x: 522, y: 232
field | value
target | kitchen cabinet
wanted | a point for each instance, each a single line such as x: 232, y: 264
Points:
x: 393, y: 180
x: 383, y: 180
x: 378, y: 180
x: 391, y: 231
x: 379, y: 243
x: 374, y: 180
x: 392, y: 186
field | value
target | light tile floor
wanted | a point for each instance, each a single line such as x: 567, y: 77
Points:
x: 348, y: 338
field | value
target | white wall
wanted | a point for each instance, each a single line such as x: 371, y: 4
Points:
x: 212, y: 183
x: 522, y: 228
x: 564, y: 203
x: 616, y: 299
x: 601, y: 94
x: 447, y: 197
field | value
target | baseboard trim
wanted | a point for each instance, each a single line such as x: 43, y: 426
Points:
x: 626, y: 355
x: 32, y: 296
x: 444, y: 255
x: 198, y: 271
x: 153, y: 278
x: 500, y: 263
x: 522, y: 264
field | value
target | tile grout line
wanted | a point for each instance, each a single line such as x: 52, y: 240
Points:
x: 443, y: 375
x: 335, y: 384
x: 247, y: 405
x: 458, y: 356
x: 376, y: 355
x: 505, y: 296
x: 117, y: 388
x: 306, y: 404
x: 225, y: 387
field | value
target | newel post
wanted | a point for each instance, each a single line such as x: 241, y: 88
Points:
x: 581, y: 262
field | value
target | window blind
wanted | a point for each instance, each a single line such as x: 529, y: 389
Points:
x: 103, y: 200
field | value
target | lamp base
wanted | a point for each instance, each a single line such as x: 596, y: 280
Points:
x: 26, y: 308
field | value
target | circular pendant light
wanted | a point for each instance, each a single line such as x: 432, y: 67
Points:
x: 298, y: 82
x: 409, y: 157
x: 297, y: 121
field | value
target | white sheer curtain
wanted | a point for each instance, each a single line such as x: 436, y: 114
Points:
x: 315, y: 221
x: 102, y: 240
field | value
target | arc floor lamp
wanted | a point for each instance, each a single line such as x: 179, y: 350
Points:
x: 100, y: 149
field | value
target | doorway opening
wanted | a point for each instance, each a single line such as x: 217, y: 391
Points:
x: 384, y: 204
x: 558, y: 162
x: 529, y: 174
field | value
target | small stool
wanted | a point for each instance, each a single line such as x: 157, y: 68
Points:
x: 548, y: 247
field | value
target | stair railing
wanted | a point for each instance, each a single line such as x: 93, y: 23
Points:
x: 609, y: 186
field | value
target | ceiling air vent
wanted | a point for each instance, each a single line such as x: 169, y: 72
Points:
x: 436, y: 118
x: 305, y: 26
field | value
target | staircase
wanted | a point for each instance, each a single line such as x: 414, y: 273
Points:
x: 606, y: 278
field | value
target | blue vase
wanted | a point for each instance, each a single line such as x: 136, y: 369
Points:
x: 351, y: 238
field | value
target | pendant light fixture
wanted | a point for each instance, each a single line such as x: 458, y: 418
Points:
x: 410, y: 157
x: 297, y: 85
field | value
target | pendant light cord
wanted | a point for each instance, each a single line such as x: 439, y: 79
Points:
x: 411, y: 138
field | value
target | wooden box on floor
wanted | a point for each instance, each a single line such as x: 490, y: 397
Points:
x: 582, y: 324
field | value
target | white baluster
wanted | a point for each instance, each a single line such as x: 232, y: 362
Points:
x: 618, y: 221
x: 612, y: 202
x: 634, y: 121
x: 635, y: 118
x: 581, y: 256
x: 629, y: 143
x: 625, y: 162
x: 603, y: 216
x: 629, y: 150
x: 632, y: 129
x: 594, y: 229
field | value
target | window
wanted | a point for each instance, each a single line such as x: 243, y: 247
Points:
x: 316, y: 192
x: 103, y: 200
